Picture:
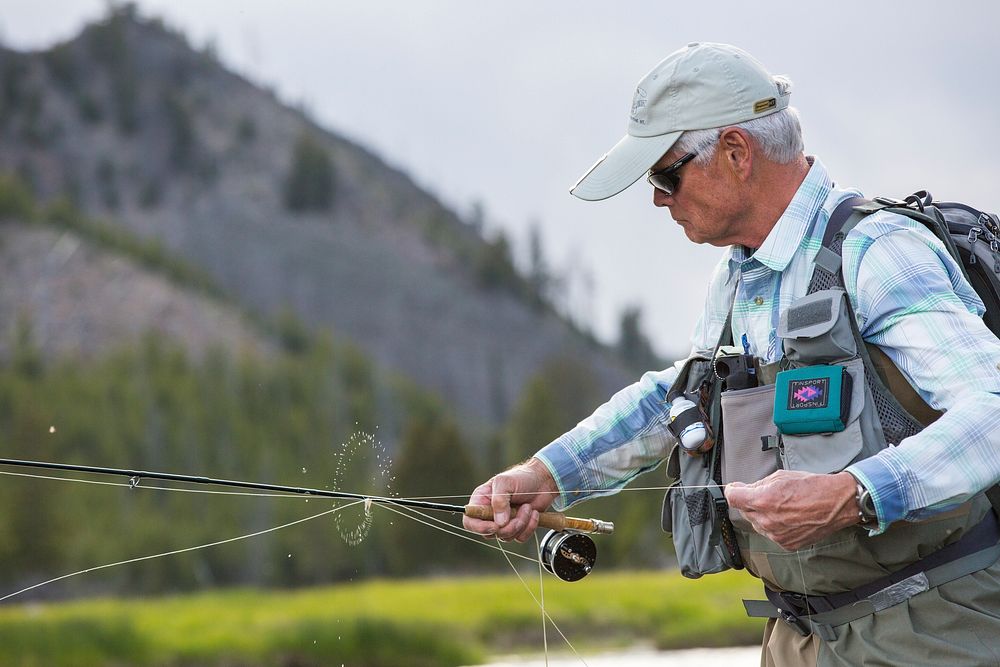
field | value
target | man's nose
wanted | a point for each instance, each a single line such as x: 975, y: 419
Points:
x: 661, y: 198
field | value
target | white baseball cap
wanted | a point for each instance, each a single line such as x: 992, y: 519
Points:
x: 698, y: 87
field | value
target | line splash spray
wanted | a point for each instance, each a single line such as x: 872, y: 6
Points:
x: 364, y: 466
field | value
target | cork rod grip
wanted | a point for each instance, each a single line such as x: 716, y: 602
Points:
x: 551, y: 520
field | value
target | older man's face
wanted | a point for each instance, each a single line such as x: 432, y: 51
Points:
x: 706, y: 203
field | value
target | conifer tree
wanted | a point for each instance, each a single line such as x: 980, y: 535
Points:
x: 310, y: 182
x: 433, y: 459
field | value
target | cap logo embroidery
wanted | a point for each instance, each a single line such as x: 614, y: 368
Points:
x: 764, y: 105
x: 638, y: 103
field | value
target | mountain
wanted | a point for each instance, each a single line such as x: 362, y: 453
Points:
x: 135, y: 127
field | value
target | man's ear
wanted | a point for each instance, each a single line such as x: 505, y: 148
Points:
x: 737, y: 152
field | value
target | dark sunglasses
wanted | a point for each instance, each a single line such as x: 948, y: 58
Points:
x: 667, y: 180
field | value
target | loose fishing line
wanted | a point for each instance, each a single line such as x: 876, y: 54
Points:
x: 426, y: 520
x: 354, y: 532
x: 539, y: 601
x: 452, y: 530
x: 174, y: 551
x: 541, y: 606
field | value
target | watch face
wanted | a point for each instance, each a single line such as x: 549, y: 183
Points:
x: 867, y: 504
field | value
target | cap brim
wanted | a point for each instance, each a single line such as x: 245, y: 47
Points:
x: 622, y: 166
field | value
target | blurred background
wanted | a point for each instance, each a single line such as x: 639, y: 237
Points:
x: 237, y: 240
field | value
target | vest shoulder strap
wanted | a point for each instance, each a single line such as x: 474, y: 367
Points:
x: 889, y: 381
x: 844, y: 218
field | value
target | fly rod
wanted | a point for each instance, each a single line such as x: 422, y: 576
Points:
x: 552, y: 520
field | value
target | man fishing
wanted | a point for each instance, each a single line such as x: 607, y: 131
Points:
x: 872, y: 533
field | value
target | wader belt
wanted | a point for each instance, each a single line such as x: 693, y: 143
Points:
x: 976, y: 550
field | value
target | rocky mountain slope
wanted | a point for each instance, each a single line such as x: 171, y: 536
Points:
x: 82, y: 300
x: 139, y: 129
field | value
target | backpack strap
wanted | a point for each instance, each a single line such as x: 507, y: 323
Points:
x: 849, y: 209
x: 900, y: 387
x: 844, y: 218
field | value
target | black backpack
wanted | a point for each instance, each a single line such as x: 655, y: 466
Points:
x: 971, y: 236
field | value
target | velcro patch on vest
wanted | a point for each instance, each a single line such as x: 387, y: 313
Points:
x: 810, y: 314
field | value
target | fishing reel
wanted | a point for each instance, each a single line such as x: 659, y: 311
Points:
x: 567, y: 550
x: 568, y: 554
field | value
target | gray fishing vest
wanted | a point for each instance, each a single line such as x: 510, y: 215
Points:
x: 818, y: 331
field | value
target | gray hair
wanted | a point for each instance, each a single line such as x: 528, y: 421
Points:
x: 779, y: 136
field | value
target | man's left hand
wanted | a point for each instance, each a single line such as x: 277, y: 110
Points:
x: 796, y: 509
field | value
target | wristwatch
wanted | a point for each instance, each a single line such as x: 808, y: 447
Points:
x: 866, y: 505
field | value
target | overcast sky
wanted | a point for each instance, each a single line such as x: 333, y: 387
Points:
x: 508, y: 103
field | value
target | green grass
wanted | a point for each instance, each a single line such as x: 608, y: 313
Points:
x: 418, y: 623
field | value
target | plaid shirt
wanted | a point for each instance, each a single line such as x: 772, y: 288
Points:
x: 910, y: 299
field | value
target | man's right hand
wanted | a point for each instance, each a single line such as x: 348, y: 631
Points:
x: 529, y: 486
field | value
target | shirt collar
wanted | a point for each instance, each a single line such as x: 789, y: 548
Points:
x: 788, y: 232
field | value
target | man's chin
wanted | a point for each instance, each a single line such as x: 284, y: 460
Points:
x: 693, y: 237
x: 690, y: 233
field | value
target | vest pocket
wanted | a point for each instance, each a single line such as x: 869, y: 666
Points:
x: 829, y: 452
x: 746, y: 419
x: 690, y: 516
x: 816, y: 330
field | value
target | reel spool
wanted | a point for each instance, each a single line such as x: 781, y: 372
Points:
x: 568, y: 555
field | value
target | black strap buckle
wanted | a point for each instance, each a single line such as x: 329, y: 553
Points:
x: 719, y: 500
x: 800, y: 626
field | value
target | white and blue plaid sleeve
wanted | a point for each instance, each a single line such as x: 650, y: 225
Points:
x: 628, y: 435
x: 623, y: 438
x: 913, y: 301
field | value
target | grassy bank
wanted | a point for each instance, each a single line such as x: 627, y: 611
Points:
x: 416, y: 623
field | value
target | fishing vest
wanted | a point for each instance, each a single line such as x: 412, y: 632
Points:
x: 832, y: 400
